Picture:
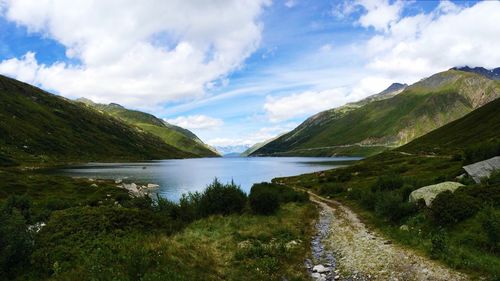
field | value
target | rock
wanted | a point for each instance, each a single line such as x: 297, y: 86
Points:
x: 404, y: 227
x: 315, y: 275
x: 337, y: 277
x: 320, y: 268
x: 483, y: 169
x: 152, y: 185
x: 118, y: 181
x: 93, y: 185
x: 428, y: 193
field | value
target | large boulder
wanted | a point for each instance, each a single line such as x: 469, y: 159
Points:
x: 428, y: 193
x: 483, y: 169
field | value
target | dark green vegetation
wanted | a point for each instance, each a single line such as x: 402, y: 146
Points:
x: 265, y: 198
x: 95, y: 231
x: 39, y: 128
x: 461, y: 228
x: 374, y: 125
x: 175, y: 136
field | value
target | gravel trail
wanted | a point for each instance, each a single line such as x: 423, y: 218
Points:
x: 344, y: 249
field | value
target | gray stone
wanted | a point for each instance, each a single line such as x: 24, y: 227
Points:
x: 483, y: 169
x: 320, y: 268
x: 428, y: 193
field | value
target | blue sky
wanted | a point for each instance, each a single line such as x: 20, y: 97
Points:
x: 239, y: 72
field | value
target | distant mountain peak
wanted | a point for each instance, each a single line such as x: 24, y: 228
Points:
x: 489, y: 73
x: 85, y: 101
x: 115, y: 105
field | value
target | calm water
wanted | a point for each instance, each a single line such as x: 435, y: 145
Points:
x: 181, y: 176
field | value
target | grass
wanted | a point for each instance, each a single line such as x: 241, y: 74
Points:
x: 177, y: 137
x: 100, y: 233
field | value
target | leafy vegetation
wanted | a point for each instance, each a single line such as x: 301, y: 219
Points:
x: 387, y: 123
x: 460, y: 228
x: 265, y: 198
x: 40, y: 128
x: 56, y: 228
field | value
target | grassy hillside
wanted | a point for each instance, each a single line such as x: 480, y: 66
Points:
x: 481, y: 125
x: 381, y: 124
x: 38, y: 127
x: 175, y: 136
x: 461, y: 229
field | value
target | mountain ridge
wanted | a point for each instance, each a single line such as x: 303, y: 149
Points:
x: 175, y: 136
x: 378, y: 125
x: 38, y: 127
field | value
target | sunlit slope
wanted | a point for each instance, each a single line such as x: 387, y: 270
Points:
x: 36, y: 126
x: 387, y: 123
x: 175, y: 136
x: 479, y: 126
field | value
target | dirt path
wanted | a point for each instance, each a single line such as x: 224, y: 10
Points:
x: 359, y: 254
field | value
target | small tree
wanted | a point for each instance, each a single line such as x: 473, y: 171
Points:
x: 263, y: 202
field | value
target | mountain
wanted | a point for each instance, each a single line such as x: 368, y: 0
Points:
x: 231, y: 149
x: 391, y: 120
x: 256, y: 146
x: 37, y: 127
x: 490, y: 73
x: 479, y: 126
x: 175, y: 136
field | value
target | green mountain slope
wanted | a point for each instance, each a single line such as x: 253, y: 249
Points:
x: 479, y: 126
x: 175, y: 136
x: 374, y: 126
x: 37, y: 126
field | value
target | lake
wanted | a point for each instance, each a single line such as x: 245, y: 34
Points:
x: 179, y: 176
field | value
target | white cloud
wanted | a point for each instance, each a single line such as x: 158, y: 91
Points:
x: 260, y: 135
x: 380, y: 14
x: 290, y: 3
x: 196, y: 122
x: 423, y: 44
x: 311, y: 102
x: 137, y: 53
x: 301, y: 104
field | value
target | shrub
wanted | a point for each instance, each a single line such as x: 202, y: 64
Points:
x: 221, y: 199
x: 389, y: 182
x: 22, y: 203
x: 490, y: 222
x: 481, y: 151
x: 330, y: 189
x: 438, y: 244
x: 390, y: 206
x: 449, y: 208
x: 263, y: 201
x: 15, y: 243
x: 285, y: 193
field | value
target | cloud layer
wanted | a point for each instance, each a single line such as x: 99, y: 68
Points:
x: 403, y: 49
x: 196, y: 122
x: 140, y: 53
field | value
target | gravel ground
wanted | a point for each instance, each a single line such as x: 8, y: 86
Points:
x: 347, y: 250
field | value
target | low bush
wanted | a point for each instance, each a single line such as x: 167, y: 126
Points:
x: 330, y: 189
x: 490, y: 222
x: 450, y: 208
x: 391, y: 206
x: 223, y: 199
x: 481, y: 151
x: 388, y: 182
x: 263, y: 201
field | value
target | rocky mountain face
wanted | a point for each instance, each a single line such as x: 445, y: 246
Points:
x: 490, y: 73
x: 388, y: 119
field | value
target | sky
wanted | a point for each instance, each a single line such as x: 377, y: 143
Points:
x: 242, y: 71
